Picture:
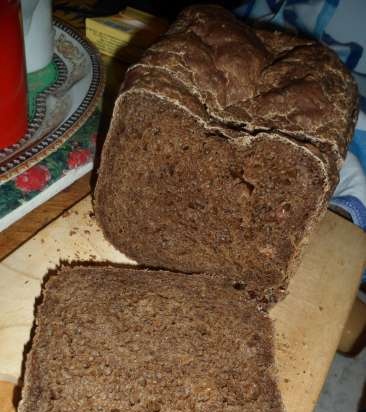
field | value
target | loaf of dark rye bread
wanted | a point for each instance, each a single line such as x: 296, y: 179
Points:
x: 224, y: 148
x: 121, y: 340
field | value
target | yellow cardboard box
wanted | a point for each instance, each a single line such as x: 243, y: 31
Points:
x: 126, y: 35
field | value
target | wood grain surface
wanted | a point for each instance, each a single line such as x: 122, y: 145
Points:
x: 308, y: 323
x: 25, y: 228
x: 7, y: 392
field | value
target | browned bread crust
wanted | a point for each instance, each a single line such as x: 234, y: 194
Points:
x: 224, y: 148
x: 126, y: 340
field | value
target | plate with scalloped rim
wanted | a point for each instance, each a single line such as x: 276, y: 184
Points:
x: 61, y: 98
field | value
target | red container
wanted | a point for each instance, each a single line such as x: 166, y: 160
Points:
x: 13, y: 88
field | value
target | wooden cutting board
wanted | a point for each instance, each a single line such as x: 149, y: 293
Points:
x: 308, y: 322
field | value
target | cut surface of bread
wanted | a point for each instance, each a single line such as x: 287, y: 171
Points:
x: 121, y: 339
x: 224, y: 148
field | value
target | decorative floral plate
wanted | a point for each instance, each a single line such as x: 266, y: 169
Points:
x: 61, y: 98
x: 64, y: 118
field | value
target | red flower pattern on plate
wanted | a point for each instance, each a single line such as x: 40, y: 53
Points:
x: 78, y: 158
x: 33, y: 179
x: 94, y: 138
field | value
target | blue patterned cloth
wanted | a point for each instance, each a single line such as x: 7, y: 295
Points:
x: 340, y: 24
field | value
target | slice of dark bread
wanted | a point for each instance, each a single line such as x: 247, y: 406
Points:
x: 120, y: 339
x: 224, y: 148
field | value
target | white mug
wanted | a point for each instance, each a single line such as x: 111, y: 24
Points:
x: 38, y: 33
